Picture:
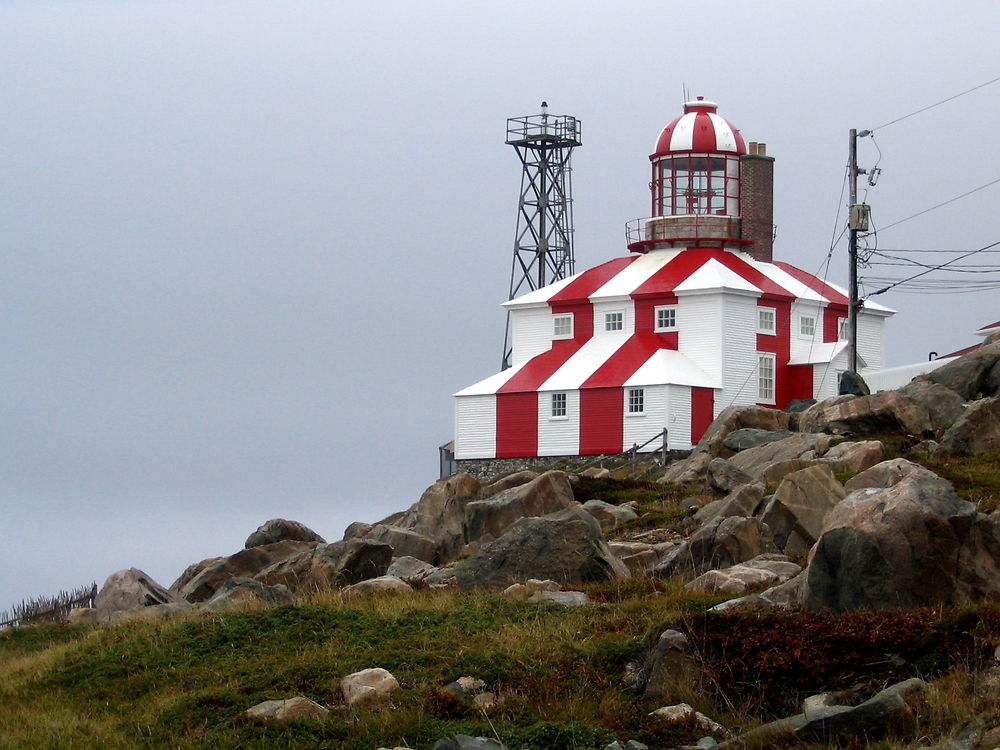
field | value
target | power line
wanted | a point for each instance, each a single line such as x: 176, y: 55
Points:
x: 933, y: 268
x: 936, y: 104
x: 945, y: 203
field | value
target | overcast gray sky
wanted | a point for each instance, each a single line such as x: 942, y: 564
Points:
x: 249, y: 249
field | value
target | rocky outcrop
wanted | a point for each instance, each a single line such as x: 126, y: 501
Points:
x: 761, y: 570
x: 885, y: 411
x: 725, y: 476
x: 720, y: 543
x: 669, y: 666
x: 404, y: 542
x: 505, y: 483
x: 972, y: 376
x: 127, y: 590
x: 200, y: 582
x: 608, y: 515
x: 547, y: 493
x: 915, y: 543
x: 329, y: 566
x: 439, y: 514
x: 567, y: 547
x: 754, y: 461
x: 278, y: 530
x: 944, y: 406
x: 380, y: 585
x: 977, y: 431
x: 237, y: 593
x: 852, y: 457
x: 796, y: 512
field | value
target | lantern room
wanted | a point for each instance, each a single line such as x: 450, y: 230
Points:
x: 708, y: 187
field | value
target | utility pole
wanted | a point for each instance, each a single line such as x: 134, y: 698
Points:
x: 857, y: 223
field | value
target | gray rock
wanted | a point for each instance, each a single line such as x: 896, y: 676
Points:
x: 882, y: 475
x: 356, y: 529
x: 409, y: 569
x: 669, y: 666
x: 885, y: 411
x: 796, y: 511
x: 688, y: 470
x: 512, y: 480
x: 608, y: 515
x: 743, y: 501
x: 972, y: 376
x: 798, y: 405
x: 241, y: 592
x: 404, y: 542
x: 379, y: 585
x: 754, y: 461
x: 279, y: 529
x: 913, y: 544
x: 127, y: 590
x: 852, y: 384
x: 734, y: 418
x: 719, y: 544
x: 944, y: 406
x: 465, y: 742
x: 547, y: 493
x: 761, y: 570
x: 329, y: 566
x: 976, y: 432
x: 749, y: 437
x: 368, y: 686
x: 562, y: 598
x: 724, y: 476
x: 892, y: 711
x: 854, y: 456
x: 298, y: 707
x: 567, y: 547
x: 440, y: 514
x: 153, y: 612
x: 200, y: 582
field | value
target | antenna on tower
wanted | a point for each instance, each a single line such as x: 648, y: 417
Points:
x: 543, y: 240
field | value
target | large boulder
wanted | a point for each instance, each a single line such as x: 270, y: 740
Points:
x: 439, y: 514
x: 972, y: 376
x: 329, y: 566
x: 882, y: 475
x: 721, y: 543
x: 853, y: 457
x: 200, y: 582
x: 547, y: 493
x: 913, y: 544
x: 567, y: 547
x: 751, y: 437
x: 404, y: 542
x: 368, y: 686
x: 885, y: 411
x: 279, y: 529
x: 796, y: 511
x: 754, y: 461
x: 944, y: 406
x: 725, y: 476
x: 506, y: 482
x: 237, y: 593
x: 761, y: 570
x: 976, y: 432
x: 733, y: 418
x: 127, y: 590
x: 290, y: 709
x: 608, y: 515
x: 670, y: 666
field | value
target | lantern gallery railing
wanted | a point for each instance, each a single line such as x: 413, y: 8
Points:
x: 690, y: 230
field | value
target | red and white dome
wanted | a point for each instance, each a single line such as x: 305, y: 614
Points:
x: 700, y: 130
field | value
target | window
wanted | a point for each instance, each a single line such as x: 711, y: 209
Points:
x: 765, y: 320
x: 765, y: 378
x: 558, y: 404
x: 666, y: 318
x: 614, y: 321
x: 842, y: 329
x: 696, y: 184
x: 636, y: 401
x: 807, y: 326
x: 562, y: 326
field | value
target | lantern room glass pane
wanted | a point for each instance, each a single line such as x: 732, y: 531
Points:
x: 696, y: 184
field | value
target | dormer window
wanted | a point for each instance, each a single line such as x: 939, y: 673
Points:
x: 666, y: 318
x: 614, y: 321
x: 562, y: 326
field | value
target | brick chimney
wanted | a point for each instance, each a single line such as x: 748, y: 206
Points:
x: 757, y: 201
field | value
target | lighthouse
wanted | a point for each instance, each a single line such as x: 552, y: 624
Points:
x: 649, y: 347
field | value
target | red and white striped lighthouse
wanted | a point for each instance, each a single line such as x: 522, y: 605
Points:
x: 696, y: 318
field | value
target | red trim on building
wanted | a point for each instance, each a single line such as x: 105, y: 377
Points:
x: 779, y: 344
x: 622, y: 365
x: 590, y: 281
x: 602, y: 411
x: 702, y: 411
x: 817, y: 285
x: 831, y: 322
x: 799, y: 383
x: 673, y: 273
x: 517, y: 425
x: 583, y: 318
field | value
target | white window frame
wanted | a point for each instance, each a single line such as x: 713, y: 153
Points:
x: 809, y: 320
x: 558, y: 406
x: 842, y: 330
x: 762, y: 314
x: 672, y: 324
x: 635, y: 403
x: 565, y: 321
x: 610, y: 320
x: 766, y: 377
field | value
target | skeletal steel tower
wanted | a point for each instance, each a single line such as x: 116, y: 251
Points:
x: 543, y: 242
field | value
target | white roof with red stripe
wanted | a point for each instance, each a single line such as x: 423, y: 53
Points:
x: 700, y: 129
